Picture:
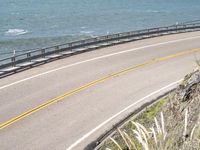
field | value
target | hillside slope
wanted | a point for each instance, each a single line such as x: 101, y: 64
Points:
x: 172, y: 123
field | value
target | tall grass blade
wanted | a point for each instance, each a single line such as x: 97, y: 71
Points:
x: 129, y: 139
x: 186, y: 123
x: 115, y: 142
x: 157, y: 126
x: 193, y: 129
x: 154, y: 136
x: 122, y: 135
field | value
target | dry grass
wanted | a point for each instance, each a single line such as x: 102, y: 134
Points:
x: 171, y: 124
x: 154, y: 138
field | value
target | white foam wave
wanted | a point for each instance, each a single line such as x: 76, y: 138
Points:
x: 86, y: 32
x: 83, y: 27
x: 152, y: 11
x: 15, y: 32
x: 156, y: 11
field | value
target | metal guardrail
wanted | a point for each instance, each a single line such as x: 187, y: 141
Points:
x: 38, y: 56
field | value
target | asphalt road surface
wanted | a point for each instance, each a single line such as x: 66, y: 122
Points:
x: 68, y: 103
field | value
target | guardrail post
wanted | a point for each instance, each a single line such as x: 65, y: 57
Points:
x: 29, y: 56
x: 43, y: 52
x: 57, y: 49
x: 95, y: 40
x: 176, y: 29
x: 191, y: 26
x: 13, y: 60
x: 194, y: 29
x: 158, y: 31
x: 184, y: 26
x: 70, y: 46
x: 83, y: 42
x: 167, y: 30
x: 148, y: 32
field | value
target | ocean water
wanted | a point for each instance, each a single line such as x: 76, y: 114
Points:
x: 30, y: 24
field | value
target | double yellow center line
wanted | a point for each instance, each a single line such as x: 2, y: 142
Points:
x: 81, y: 88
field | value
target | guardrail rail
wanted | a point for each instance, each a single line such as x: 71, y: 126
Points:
x: 32, y: 58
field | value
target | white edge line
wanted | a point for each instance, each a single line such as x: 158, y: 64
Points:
x: 96, y: 58
x: 119, y: 113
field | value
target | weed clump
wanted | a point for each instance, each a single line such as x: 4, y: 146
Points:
x: 170, y: 124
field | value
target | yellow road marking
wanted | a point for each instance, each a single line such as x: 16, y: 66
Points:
x: 59, y: 98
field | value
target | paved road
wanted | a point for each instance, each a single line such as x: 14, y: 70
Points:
x: 77, y: 98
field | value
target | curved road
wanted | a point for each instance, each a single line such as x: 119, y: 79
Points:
x: 68, y: 103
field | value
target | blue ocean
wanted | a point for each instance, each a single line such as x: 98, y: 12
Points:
x: 31, y: 24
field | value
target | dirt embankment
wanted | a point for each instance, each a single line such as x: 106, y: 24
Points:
x: 172, y: 123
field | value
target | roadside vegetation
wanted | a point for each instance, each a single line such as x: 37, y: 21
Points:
x: 172, y: 123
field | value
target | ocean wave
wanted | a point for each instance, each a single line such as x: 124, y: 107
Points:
x: 156, y: 11
x: 83, y: 27
x: 15, y: 32
x: 153, y: 11
x: 86, y: 32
